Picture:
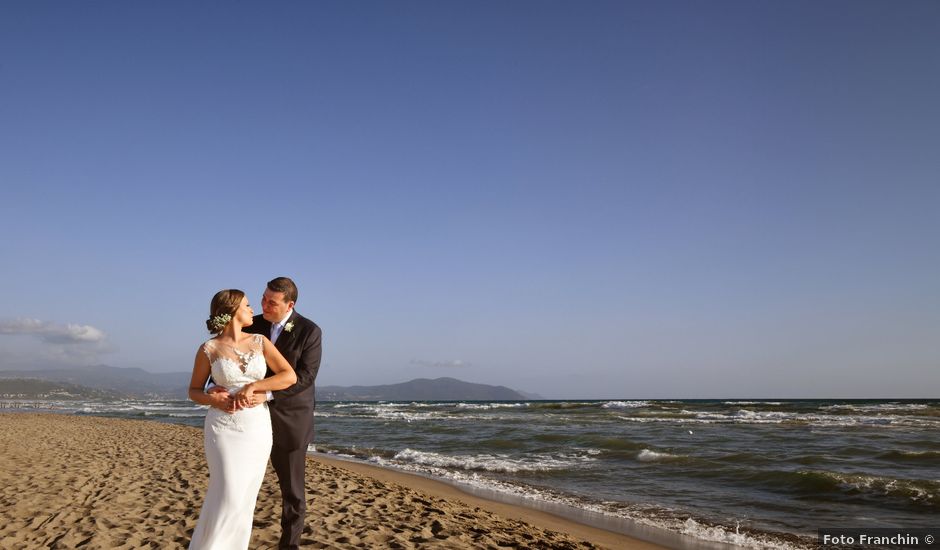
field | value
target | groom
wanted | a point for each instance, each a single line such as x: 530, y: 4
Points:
x: 298, y: 339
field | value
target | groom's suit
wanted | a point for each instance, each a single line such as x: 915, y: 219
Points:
x: 292, y: 418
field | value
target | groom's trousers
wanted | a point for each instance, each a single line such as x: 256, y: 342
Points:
x: 290, y: 467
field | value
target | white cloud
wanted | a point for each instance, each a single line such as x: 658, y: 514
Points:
x: 63, y: 343
x: 52, y: 332
x: 456, y: 363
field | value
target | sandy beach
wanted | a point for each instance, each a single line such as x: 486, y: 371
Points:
x: 86, y: 482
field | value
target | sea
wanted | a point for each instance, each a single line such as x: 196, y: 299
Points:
x: 687, y: 473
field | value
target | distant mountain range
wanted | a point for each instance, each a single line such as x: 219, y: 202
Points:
x: 421, y: 389
x: 101, y: 381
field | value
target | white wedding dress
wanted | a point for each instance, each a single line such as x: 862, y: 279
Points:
x: 237, y: 449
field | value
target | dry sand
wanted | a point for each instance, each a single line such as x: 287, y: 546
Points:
x: 85, y: 482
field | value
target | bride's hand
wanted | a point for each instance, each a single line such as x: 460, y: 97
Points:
x: 244, y: 395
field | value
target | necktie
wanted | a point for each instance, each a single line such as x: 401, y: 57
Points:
x: 275, y: 332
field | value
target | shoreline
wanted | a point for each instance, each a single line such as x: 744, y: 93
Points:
x: 93, y: 482
x: 514, y: 508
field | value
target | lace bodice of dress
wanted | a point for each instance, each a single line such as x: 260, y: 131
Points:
x: 234, y: 367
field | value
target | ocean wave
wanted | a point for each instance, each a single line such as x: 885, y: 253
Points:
x: 407, y: 416
x: 917, y: 491
x: 194, y: 414
x: 911, y: 456
x: 502, y: 444
x: 552, y: 437
x: 411, y: 415
x: 373, y: 405
x: 377, y: 405
x: 564, y: 405
x: 747, y: 416
x: 491, y: 462
x: 362, y: 453
x: 878, y: 407
x: 162, y: 408
x: 625, y: 404
x: 386, y: 411
x: 820, y: 483
x: 605, y: 443
x: 488, y: 406
x: 416, y: 411
x: 719, y: 533
x: 660, y: 419
x: 647, y: 455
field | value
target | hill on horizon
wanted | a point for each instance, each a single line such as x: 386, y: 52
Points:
x: 421, y: 389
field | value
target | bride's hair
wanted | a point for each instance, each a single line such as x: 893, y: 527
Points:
x: 224, y: 304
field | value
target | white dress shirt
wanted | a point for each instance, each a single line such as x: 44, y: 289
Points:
x: 277, y: 328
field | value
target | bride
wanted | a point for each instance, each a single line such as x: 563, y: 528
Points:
x: 237, y: 435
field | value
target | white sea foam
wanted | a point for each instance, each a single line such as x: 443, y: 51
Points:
x: 407, y: 413
x: 625, y: 404
x: 662, y: 419
x: 165, y: 408
x: 877, y: 408
x: 177, y: 414
x: 491, y: 462
x: 764, y: 416
x: 487, y: 406
x: 377, y: 405
x: 746, y: 416
x: 717, y: 533
x: 406, y: 416
x: 915, y: 490
x: 647, y: 455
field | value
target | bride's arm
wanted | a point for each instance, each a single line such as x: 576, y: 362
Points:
x: 197, y: 384
x: 284, y: 375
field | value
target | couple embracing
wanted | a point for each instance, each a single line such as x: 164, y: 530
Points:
x: 261, y: 406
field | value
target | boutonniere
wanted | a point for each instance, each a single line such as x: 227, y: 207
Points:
x: 289, y: 327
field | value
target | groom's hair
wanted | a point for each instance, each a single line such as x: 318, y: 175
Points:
x: 285, y: 285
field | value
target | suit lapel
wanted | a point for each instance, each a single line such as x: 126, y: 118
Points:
x: 286, y: 335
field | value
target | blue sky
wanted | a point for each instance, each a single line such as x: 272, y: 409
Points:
x: 603, y: 199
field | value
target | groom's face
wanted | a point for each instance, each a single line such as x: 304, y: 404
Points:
x: 274, y: 305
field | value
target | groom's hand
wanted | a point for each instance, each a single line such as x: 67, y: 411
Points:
x: 257, y: 399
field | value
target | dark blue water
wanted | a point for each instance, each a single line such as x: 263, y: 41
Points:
x: 755, y: 473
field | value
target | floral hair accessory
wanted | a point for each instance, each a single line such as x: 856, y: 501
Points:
x: 219, y: 321
x: 289, y: 327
